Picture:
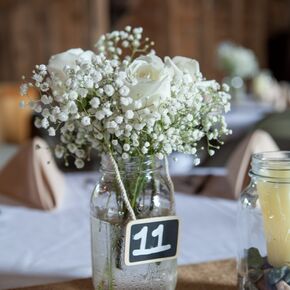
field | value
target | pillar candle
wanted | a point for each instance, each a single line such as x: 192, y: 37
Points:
x: 274, y: 197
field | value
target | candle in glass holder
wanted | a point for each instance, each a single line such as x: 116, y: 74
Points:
x: 274, y: 196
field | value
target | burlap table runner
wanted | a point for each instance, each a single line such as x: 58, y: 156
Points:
x: 220, y: 275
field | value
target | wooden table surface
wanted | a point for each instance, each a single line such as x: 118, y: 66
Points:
x: 219, y: 275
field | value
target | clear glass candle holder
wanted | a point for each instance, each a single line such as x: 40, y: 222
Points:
x: 264, y: 224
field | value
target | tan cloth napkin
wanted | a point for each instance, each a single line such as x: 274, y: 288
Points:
x: 32, y: 177
x: 238, y: 166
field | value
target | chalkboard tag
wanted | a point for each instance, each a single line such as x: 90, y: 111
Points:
x: 151, y: 240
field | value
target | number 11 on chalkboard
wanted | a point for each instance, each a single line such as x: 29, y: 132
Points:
x: 151, y: 240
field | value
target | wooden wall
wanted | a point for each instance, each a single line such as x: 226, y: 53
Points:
x: 194, y: 28
x: 32, y: 30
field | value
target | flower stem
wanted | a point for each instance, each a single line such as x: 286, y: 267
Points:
x: 155, y: 189
x: 138, y: 187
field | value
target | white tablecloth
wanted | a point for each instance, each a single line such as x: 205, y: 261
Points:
x: 38, y: 247
x: 246, y: 114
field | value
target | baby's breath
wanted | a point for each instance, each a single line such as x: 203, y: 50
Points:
x: 127, y: 101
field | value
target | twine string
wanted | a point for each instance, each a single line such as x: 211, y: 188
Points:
x: 122, y: 188
x: 124, y: 193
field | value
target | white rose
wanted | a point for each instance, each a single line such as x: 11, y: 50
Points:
x: 185, y: 65
x: 175, y: 71
x: 153, y: 81
x: 57, y: 62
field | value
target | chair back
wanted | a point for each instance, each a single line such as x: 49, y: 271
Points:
x: 239, y: 162
x: 15, y: 123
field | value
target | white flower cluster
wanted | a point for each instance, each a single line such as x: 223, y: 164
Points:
x: 129, y: 106
x: 237, y: 60
x: 113, y: 44
x: 268, y: 90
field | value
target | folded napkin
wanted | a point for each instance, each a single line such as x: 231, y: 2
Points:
x: 32, y: 177
x: 231, y: 185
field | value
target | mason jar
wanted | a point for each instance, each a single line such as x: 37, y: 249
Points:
x: 264, y: 224
x: 148, y: 191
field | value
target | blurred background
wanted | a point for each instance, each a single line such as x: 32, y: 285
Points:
x: 242, y: 42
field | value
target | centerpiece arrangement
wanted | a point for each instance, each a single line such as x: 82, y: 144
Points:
x: 135, y: 109
x: 239, y: 64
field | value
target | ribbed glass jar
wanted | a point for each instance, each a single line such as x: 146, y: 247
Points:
x: 264, y: 224
x: 149, y: 195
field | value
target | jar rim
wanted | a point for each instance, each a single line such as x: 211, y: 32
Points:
x: 274, y: 156
x: 148, y: 163
x: 271, y: 165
